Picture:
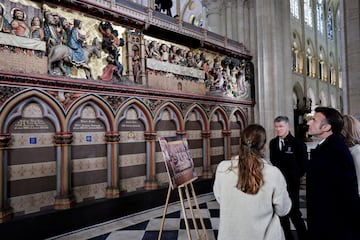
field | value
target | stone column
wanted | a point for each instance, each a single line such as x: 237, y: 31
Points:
x: 229, y: 19
x: 5, y: 209
x: 350, y: 55
x: 142, y: 59
x: 64, y: 198
x: 227, y: 143
x: 112, y: 140
x: 207, y: 172
x: 150, y: 182
x: 213, y: 16
x: 240, y: 21
x: 273, y: 52
x: 129, y: 57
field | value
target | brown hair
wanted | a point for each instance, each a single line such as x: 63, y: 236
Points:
x: 250, y: 178
x: 351, y: 130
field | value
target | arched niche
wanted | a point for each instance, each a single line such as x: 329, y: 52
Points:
x: 89, y: 122
x: 168, y: 122
x: 196, y: 123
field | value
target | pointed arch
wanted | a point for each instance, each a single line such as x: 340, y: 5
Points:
x: 102, y: 110
x: 238, y: 121
x: 175, y: 115
x: 200, y: 116
x: 299, y: 100
x: 219, y: 137
x: 89, y: 120
x: 197, y: 126
x: 221, y: 115
x: 133, y: 122
x: 168, y: 122
x: 14, y: 106
x: 297, y: 50
x: 32, y: 118
x: 310, y: 58
x: 142, y: 110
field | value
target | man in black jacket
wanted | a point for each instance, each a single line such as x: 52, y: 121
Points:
x: 290, y: 156
x: 333, y: 203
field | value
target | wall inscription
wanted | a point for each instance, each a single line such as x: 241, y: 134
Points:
x: 88, y: 124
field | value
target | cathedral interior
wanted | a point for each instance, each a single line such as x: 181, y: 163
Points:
x: 88, y: 87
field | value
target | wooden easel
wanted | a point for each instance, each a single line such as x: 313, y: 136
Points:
x: 185, y: 187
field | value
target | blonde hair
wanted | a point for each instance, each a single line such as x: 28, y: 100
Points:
x: 250, y: 178
x: 351, y: 130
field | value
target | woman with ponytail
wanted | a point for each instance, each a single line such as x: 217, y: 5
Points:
x: 251, y: 192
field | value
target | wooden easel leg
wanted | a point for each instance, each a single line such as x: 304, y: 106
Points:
x: 198, y: 211
x: 184, y: 213
x: 191, y: 211
x: 164, y: 213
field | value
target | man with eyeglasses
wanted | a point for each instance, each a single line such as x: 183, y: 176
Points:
x: 333, y: 203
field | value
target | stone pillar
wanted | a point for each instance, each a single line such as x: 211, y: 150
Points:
x: 112, y: 140
x: 240, y: 21
x: 272, y: 48
x: 229, y: 19
x: 248, y: 19
x: 129, y: 57
x: 350, y: 56
x: 150, y: 182
x: 207, y: 172
x: 64, y: 198
x: 5, y: 209
x: 142, y: 59
x: 213, y: 16
x: 227, y: 143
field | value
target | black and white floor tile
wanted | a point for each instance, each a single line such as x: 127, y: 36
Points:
x: 145, y: 225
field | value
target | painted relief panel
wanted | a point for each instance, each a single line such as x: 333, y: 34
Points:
x: 59, y: 42
x: 88, y: 153
x: 32, y: 162
x: 132, y: 152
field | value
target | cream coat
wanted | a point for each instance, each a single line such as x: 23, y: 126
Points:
x: 245, y: 216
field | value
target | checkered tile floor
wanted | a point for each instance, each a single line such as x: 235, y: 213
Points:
x: 145, y: 225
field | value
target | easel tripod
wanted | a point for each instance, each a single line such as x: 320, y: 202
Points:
x: 185, y: 188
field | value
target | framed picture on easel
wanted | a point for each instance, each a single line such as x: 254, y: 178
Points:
x: 178, y: 161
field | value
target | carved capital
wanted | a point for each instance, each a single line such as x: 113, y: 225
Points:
x: 205, y: 134
x: 112, y: 137
x: 150, y: 136
x: 5, y: 140
x: 181, y: 132
x: 226, y: 133
x: 63, y: 138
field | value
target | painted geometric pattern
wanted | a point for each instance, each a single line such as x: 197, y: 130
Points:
x: 33, y: 170
x: 132, y: 159
x: 89, y: 164
x: 31, y: 140
x: 132, y: 184
x: 32, y: 203
x: 131, y: 136
x: 93, y: 191
x: 92, y: 166
x: 216, y: 151
x: 88, y: 138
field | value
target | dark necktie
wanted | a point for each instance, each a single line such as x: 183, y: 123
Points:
x: 282, y: 144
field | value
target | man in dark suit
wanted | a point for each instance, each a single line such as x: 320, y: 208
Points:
x: 290, y: 156
x: 333, y: 203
